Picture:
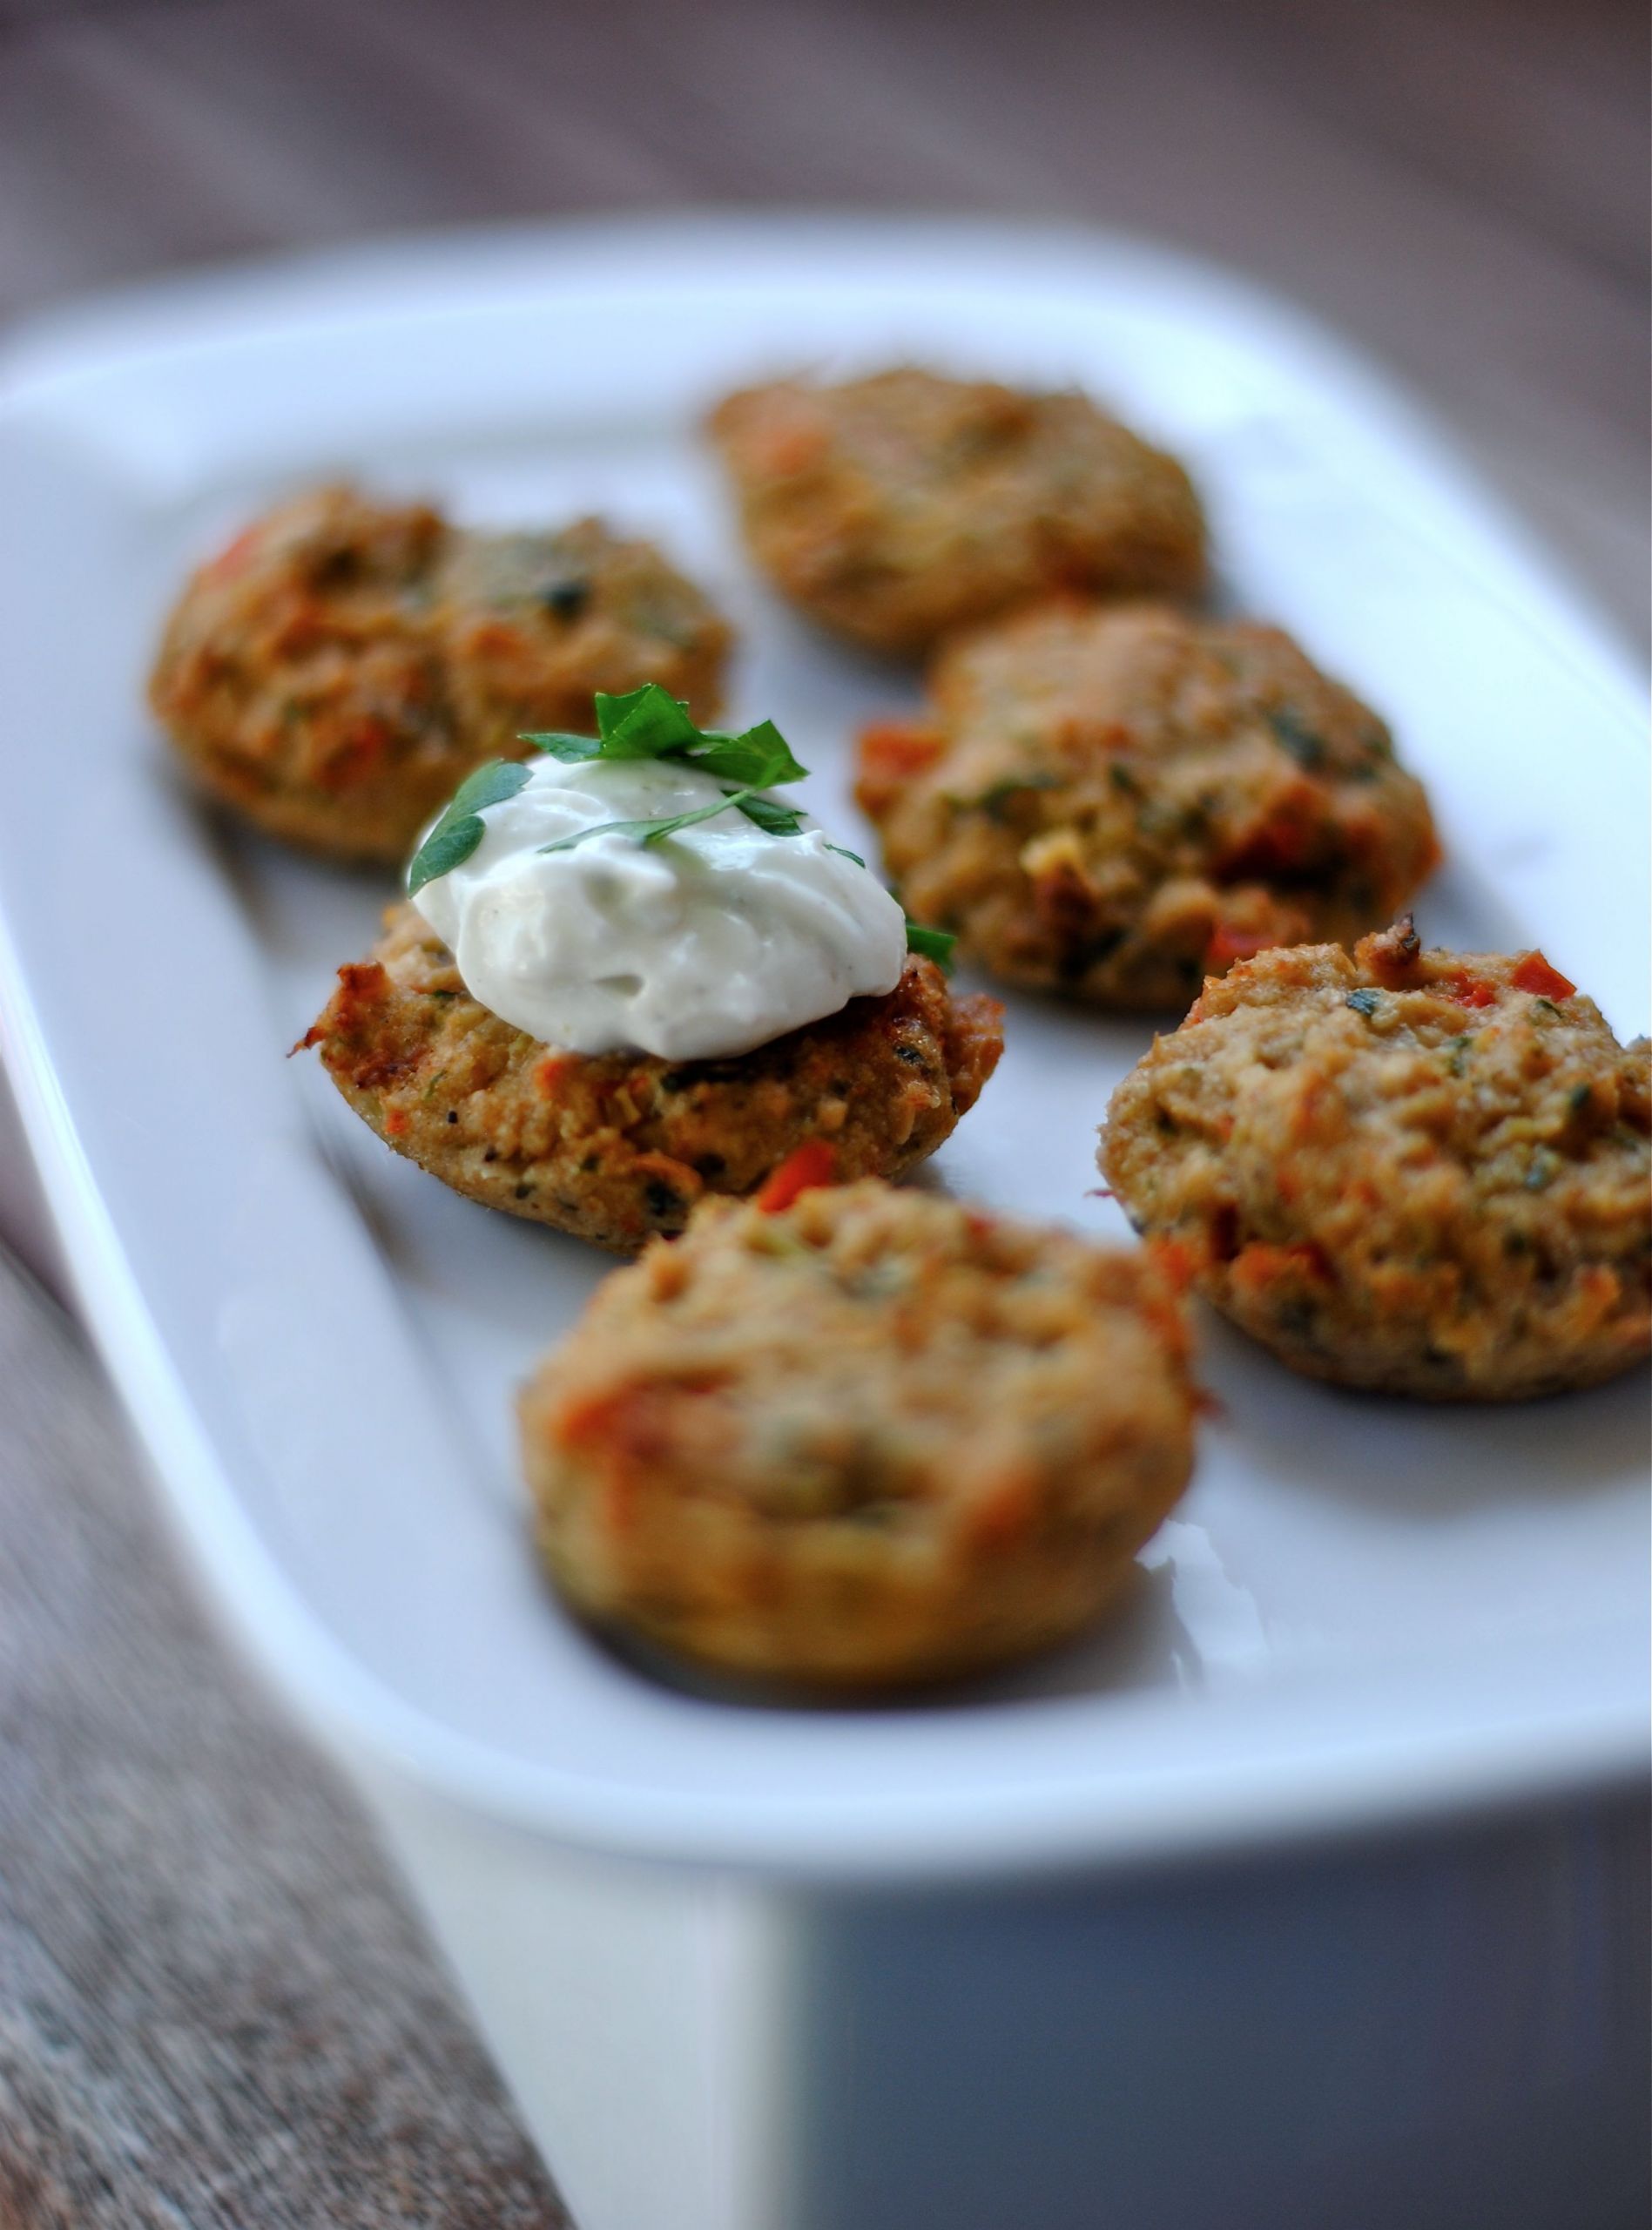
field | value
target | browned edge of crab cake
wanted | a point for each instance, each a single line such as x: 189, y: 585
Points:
x: 618, y: 1147
x: 876, y: 1438
x: 1423, y: 1173
x: 1111, y: 801
x: 895, y: 507
x: 335, y: 672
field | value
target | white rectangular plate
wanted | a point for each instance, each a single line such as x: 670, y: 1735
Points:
x: 1364, y: 1611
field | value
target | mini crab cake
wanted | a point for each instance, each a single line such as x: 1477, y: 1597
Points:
x: 876, y: 1438
x: 617, y: 1147
x: 337, y: 669
x: 536, y: 624
x: 1113, y: 802
x: 1421, y: 1171
x: 892, y: 508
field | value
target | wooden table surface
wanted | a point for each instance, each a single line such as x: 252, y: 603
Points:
x: 214, y: 2009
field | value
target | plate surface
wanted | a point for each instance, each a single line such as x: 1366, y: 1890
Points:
x: 1363, y: 1612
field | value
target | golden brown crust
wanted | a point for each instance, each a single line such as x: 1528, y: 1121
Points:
x: 335, y: 672
x: 1425, y: 1172
x: 876, y: 1438
x: 618, y: 1147
x: 1111, y: 801
x: 893, y: 509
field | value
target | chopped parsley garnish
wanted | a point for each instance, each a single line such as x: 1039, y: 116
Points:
x: 775, y: 820
x: 1366, y: 1000
x: 647, y: 723
x: 459, y: 831
x: 650, y: 723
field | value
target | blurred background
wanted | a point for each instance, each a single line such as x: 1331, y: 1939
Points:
x: 1459, y: 185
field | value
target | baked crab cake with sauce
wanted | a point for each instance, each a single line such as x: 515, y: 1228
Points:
x: 892, y: 508
x: 628, y: 976
x: 1423, y: 1172
x: 1113, y: 802
x: 872, y: 1438
x: 337, y: 670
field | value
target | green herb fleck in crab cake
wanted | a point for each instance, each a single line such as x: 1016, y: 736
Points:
x: 336, y: 670
x: 629, y: 975
x: 892, y: 508
x: 1423, y: 1172
x: 868, y: 1437
x: 1113, y: 802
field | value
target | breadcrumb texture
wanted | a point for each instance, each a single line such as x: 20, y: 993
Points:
x: 1422, y: 1172
x: 892, y: 508
x: 1113, y: 802
x: 876, y: 1439
x: 617, y: 1147
x: 336, y: 672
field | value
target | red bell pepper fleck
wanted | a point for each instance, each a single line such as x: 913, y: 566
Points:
x: 790, y: 447
x: 1470, y: 991
x: 811, y: 1165
x: 891, y: 754
x: 894, y: 748
x: 1178, y: 1259
x: 1533, y: 973
x: 547, y: 1072
x: 1261, y: 1264
x: 1228, y: 944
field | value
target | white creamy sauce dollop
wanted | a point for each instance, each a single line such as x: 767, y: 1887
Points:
x: 704, y: 945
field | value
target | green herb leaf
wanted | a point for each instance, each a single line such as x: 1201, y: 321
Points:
x: 460, y: 830
x: 651, y: 832
x: 650, y: 723
x: 933, y: 944
x: 645, y: 723
x: 570, y: 749
x: 773, y: 819
x: 758, y: 757
x: 843, y: 852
